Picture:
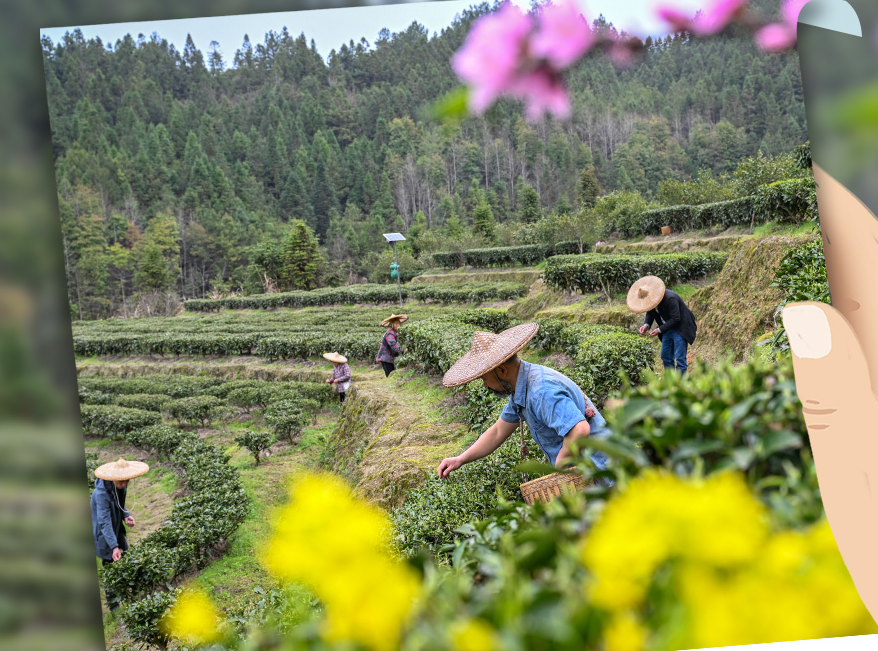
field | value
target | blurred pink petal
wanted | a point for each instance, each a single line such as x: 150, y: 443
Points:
x: 790, y: 12
x: 622, y: 53
x: 715, y: 19
x: 542, y: 93
x: 776, y: 37
x: 679, y: 21
x: 492, y: 54
x: 563, y: 35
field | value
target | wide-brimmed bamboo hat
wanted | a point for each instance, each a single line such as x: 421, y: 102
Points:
x: 488, y: 351
x: 335, y: 358
x: 402, y: 318
x: 646, y: 293
x: 121, y: 470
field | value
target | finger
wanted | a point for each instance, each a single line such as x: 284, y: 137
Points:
x: 850, y: 242
x: 832, y: 376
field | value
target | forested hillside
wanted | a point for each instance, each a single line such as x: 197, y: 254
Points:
x: 178, y: 171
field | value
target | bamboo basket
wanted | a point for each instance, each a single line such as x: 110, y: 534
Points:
x: 551, y: 486
x: 666, y: 230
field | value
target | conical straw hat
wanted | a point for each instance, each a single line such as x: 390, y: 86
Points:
x: 335, y: 358
x: 646, y: 293
x: 121, y: 470
x: 488, y: 352
x: 402, y: 318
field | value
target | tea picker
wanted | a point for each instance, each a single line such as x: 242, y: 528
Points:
x: 675, y: 323
x: 555, y: 409
x: 341, y: 374
x: 108, y: 513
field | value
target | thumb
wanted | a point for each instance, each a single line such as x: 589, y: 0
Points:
x: 830, y: 368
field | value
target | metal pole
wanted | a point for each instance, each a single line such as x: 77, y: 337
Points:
x: 398, y: 285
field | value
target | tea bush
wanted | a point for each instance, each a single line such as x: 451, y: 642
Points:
x: 145, y: 401
x: 434, y: 510
x: 141, y: 618
x: 792, y: 200
x: 255, y: 442
x: 505, y: 256
x: 214, y: 508
x: 801, y: 276
x: 159, y: 439
x: 287, y: 418
x: 173, y: 386
x: 615, y: 273
x: 746, y: 417
x: 115, y: 422
x: 197, y: 410
x: 356, y: 294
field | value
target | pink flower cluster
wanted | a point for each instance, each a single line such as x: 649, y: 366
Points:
x: 514, y: 54
x: 773, y: 37
x: 776, y: 37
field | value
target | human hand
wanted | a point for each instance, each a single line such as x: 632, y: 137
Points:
x: 448, y: 466
x: 117, y: 554
x: 835, y: 357
x: 654, y: 333
x: 129, y: 521
x: 590, y: 411
x: 643, y: 329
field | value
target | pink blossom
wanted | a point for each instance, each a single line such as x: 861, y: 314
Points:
x: 679, y: 21
x: 718, y: 16
x: 492, y: 54
x: 563, y: 35
x: 775, y: 37
x: 790, y: 11
x: 542, y: 93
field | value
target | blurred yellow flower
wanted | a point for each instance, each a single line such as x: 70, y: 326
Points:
x: 340, y: 547
x: 660, y: 516
x: 193, y: 619
x: 736, y: 582
x: 624, y: 633
x: 473, y: 635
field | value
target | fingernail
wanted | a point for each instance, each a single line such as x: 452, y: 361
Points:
x: 808, y: 331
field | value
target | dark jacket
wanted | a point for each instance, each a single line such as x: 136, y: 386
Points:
x: 107, y: 517
x: 389, y: 350
x: 672, y: 314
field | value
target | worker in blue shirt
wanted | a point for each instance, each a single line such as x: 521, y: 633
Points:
x: 555, y: 409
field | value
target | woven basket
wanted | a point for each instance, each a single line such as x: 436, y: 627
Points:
x: 666, y: 230
x: 551, y: 486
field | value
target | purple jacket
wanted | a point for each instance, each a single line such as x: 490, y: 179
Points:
x: 389, y: 350
x: 342, y: 373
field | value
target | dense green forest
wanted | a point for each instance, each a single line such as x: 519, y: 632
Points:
x: 182, y: 174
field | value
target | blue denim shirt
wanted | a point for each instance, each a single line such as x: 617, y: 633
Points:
x: 551, y: 405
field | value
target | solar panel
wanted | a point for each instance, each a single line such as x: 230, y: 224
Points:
x: 394, y: 237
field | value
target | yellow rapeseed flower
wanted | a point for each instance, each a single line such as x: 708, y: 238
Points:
x: 624, y: 633
x: 659, y: 517
x: 339, y: 546
x: 193, y: 619
x: 473, y: 635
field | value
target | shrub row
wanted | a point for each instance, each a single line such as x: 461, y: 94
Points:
x: 505, y: 256
x: 353, y: 294
x: 115, y: 422
x: 793, y: 200
x: 599, y: 353
x: 211, y: 512
x: 614, y: 273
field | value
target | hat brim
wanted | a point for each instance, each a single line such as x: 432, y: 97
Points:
x: 402, y: 318
x: 474, y: 365
x: 656, y: 287
x: 335, y: 358
x: 112, y: 472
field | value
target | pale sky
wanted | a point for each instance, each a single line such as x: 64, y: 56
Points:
x: 330, y: 28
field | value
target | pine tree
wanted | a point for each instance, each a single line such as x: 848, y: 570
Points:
x: 300, y: 258
x: 483, y: 221
x: 588, y: 188
x: 529, y: 209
